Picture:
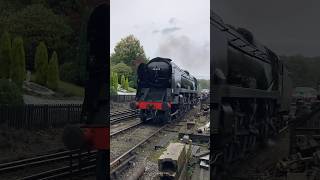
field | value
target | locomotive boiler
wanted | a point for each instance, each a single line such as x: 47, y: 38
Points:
x: 164, y: 90
x: 251, y: 92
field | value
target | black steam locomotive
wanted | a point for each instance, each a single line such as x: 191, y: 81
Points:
x: 251, y: 92
x: 164, y: 90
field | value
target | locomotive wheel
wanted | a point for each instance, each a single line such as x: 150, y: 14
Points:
x: 163, y: 117
x: 244, y: 129
x: 252, y: 119
x: 263, y: 135
x: 181, y: 110
x: 267, y: 128
x: 168, y: 116
x: 156, y: 117
x: 143, y: 119
x: 240, y: 129
x: 143, y: 116
x: 232, y: 152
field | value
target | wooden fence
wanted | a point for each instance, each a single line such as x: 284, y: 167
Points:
x: 39, y: 116
x: 31, y: 116
x: 123, y: 98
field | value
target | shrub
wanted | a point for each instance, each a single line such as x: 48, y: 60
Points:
x: 122, y: 69
x: 113, y: 91
x: 10, y: 93
x: 132, y: 84
x: 69, y: 72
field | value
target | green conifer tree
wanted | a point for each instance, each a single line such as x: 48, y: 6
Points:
x: 116, y: 81
x: 112, y: 84
x: 53, y: 72
x: 111, y: 79
x: 5, y: 55
x: 123, y: 81
x: 41, y: 63
x: 18, y: 64
x: 126, y: 84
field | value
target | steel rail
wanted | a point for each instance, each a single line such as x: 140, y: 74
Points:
x: 123, y: 158
x: 65, y: 170
x: 127, y: 128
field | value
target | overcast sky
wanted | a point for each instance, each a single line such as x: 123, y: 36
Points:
x: 177, y: 29
x: 288, y: 27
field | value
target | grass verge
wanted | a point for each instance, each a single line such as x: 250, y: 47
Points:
x: 66, y: 88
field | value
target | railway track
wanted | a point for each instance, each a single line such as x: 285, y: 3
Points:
x: 71, y: 161
x: 115, y: 113
x: 120, y: 162
x: 126, y: 128
x: 86, y: 162
x: 119, y: 116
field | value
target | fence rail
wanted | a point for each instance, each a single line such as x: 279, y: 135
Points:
x: 31, y: 116
x: 39, y: 116
x: 122, y: 98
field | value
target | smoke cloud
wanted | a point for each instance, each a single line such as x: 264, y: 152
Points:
x: 187, y: 54
x: 170, y: 30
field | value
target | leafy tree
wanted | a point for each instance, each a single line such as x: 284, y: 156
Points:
x: 43, y: 2
x: 53, y: 72
x: 122, y: 69
x: 82, y: 53
x: 136, y: 64
x: 5, y: 55
x: 303, y: 70
x: 37, y: 23
x: 123, y: 80
x: 10, y: 93
x: 9, y: 7
x: 128, y: 50
x: 18, y: 66
x: 41, y: 63
x: 203, y: 84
